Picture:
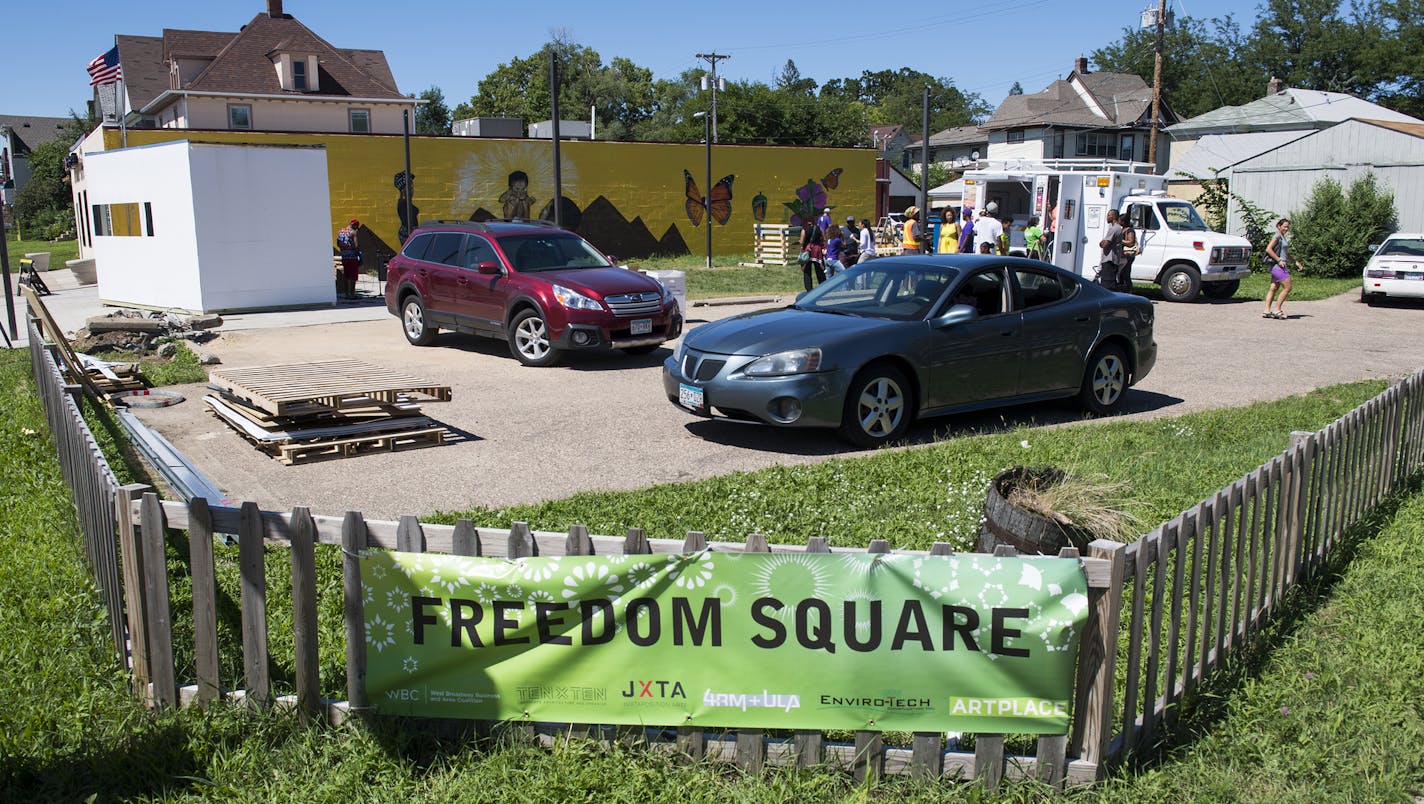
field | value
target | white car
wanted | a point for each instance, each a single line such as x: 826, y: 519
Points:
x: 1396, y: 269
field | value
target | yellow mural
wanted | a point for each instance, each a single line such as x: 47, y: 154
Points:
x: 629, y: 199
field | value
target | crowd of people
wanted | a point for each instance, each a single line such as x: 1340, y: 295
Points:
x: 827, y: 248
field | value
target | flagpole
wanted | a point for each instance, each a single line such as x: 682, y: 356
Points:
x: 119, y: 88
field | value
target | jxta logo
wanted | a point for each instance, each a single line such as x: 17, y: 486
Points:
x: 654, y: 688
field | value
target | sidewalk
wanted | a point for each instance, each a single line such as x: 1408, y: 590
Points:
x: 73, y: 304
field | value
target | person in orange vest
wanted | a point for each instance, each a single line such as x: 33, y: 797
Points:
x: 913, y: 239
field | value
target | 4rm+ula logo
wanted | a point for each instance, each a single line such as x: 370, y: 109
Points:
x: 654, y: 688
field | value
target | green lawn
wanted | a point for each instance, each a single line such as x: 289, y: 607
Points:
x: 1332, y: 713
x: 58, y: 251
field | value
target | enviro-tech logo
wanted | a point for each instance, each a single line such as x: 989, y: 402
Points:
x: 883, y: 703
x: 563, y: 695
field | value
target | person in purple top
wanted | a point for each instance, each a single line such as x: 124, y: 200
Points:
x: 966, y: 234
x: 835, y: 247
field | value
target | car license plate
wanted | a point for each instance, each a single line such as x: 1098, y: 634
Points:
x: 1409, y: 275
x: 690, y: 396
x: 642, y: 326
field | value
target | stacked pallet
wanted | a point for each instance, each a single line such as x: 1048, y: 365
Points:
x: 110, y: 377
x: 777, y: 243
x: 326, y: 409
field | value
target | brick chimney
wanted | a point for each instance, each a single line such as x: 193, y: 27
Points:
x: 1080, y: 65
x: 1275, y: 86
x: 274, y: 9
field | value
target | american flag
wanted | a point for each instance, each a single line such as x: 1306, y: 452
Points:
x: 105, y: 69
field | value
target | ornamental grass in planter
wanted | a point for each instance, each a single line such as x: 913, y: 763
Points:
x: 1040, y: 510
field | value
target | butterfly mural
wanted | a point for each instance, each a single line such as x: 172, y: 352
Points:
x: 718, y: 204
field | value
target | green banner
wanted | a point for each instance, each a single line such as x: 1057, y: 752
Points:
x: 973, y: 643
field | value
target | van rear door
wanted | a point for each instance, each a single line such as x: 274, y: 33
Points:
x: 1068, y: 238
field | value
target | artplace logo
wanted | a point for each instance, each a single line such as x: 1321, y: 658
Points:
x: 654, y: 688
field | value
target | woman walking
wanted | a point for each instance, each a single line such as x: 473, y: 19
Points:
x: 1279, y: 252
x: 835, y: 247
x: 813, y: 253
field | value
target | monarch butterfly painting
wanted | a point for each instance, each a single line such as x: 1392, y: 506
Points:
x: 718, y: 205
x: 833, y: 179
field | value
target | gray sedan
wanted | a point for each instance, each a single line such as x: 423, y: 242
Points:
x: 900, y: 338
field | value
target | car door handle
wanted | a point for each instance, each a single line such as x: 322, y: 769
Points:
x: 1082, y: 318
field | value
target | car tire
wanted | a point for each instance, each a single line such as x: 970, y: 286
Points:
x: 1374, y: 299
x: 529, y: 340
x: 1221, y: 290
x: 878, y: 406
x: 645, y: 349
x: 1181, y: 283
x: 418, y: 330
x: 1105, y: 381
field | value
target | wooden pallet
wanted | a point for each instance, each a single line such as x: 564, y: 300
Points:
x: 776, y: 243
x: 336, y: 384
x: 346, y: 447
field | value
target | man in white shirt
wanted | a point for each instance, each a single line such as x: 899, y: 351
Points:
x: 987, y: 229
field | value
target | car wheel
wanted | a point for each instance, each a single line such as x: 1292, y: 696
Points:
x: 647, y: 348
x: 529, y: 340
x: 1181, y: 283
x: 1104, y: 381
x: 878, y: 407
x: 1221, y: 290
x: 1373, y: 299
x: 417, y: 330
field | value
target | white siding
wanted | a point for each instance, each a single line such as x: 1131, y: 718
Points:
x: 1280, y: 180
x: 1030, y: 150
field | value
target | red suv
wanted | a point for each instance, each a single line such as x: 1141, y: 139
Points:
x: 543, y: 289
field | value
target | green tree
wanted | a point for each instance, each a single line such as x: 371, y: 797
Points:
x: 433, y: 116
x: 1016, y: 89
x: 1333, y: 232
x: 1307, y: 43
x: 896, y: 97
x: 1204, y: 64
x: 45, y: 205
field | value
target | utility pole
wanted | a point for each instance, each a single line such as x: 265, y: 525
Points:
x: 1157, y: 83
x: 712, y: 59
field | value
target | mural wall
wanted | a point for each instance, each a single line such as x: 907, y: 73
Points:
x: 629, y: 199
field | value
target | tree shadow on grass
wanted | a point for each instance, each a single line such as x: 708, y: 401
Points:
x: 158, y: 761
x: 1209, y: 704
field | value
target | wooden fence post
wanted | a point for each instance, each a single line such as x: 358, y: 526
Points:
x: 132, y: 557
x: 869, y: 760
x: 751, y: 743
x: 251, y: 532
x: 989, y: 748
x: 205, y: 616
x: 353, y: 542
x: 927, y: 747
x: 1097, y: 660
x: 692, y: 740
x: 304, y: 633
x: 159, y: 619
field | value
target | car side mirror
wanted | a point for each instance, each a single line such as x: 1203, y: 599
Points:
x: 490, y: 268
x: 958, y: 314
x: 801, y: 295
x: 1375, y: 247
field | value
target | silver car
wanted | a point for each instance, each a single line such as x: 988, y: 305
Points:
x: 896, y: 339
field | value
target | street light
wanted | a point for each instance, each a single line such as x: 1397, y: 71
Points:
x: 707, y: 188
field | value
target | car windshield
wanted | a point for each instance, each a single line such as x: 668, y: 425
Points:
x: 550, y: 251
x: 1182, y: 217
x: 881, y: 289
x: 1402, y: 247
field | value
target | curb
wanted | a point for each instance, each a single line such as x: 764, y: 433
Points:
x: 734, y: 300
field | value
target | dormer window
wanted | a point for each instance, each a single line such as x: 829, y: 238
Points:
x: 296, y: 72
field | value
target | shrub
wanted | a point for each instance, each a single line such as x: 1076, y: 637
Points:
x: 1215, y: 198
x: 1333, y: 233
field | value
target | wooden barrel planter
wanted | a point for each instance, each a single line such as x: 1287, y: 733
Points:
x: 1027, y: 531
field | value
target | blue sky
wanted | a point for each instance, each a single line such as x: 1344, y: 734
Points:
x: 983, y: 47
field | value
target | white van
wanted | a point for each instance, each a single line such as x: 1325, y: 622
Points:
x: 1178, y: 250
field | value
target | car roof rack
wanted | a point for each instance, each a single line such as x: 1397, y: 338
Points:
x: 548, y: 224
x: 476, y: 225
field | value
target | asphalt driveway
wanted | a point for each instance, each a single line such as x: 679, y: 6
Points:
x: 601, y: 421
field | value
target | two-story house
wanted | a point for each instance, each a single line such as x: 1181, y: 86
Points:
x: 274, y: 74
x: 18, y: 134
x: 1088, y: 115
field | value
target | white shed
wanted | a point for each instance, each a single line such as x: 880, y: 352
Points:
x: 1280, y: 180
x: 204, y: 227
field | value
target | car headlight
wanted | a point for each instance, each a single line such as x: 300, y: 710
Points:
x: 679, y: 352
x: 796, y: 361
x: 574, y: 300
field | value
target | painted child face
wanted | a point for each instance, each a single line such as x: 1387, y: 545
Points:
x: 518, y: 185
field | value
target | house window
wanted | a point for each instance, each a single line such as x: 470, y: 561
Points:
x: 1129, y: 151
x: 360, y: 121
x: 239, y: 115
x: 1057, y: 145
x: 1101, y: 144
x: 1015, y: 135
x: 299, y: 75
